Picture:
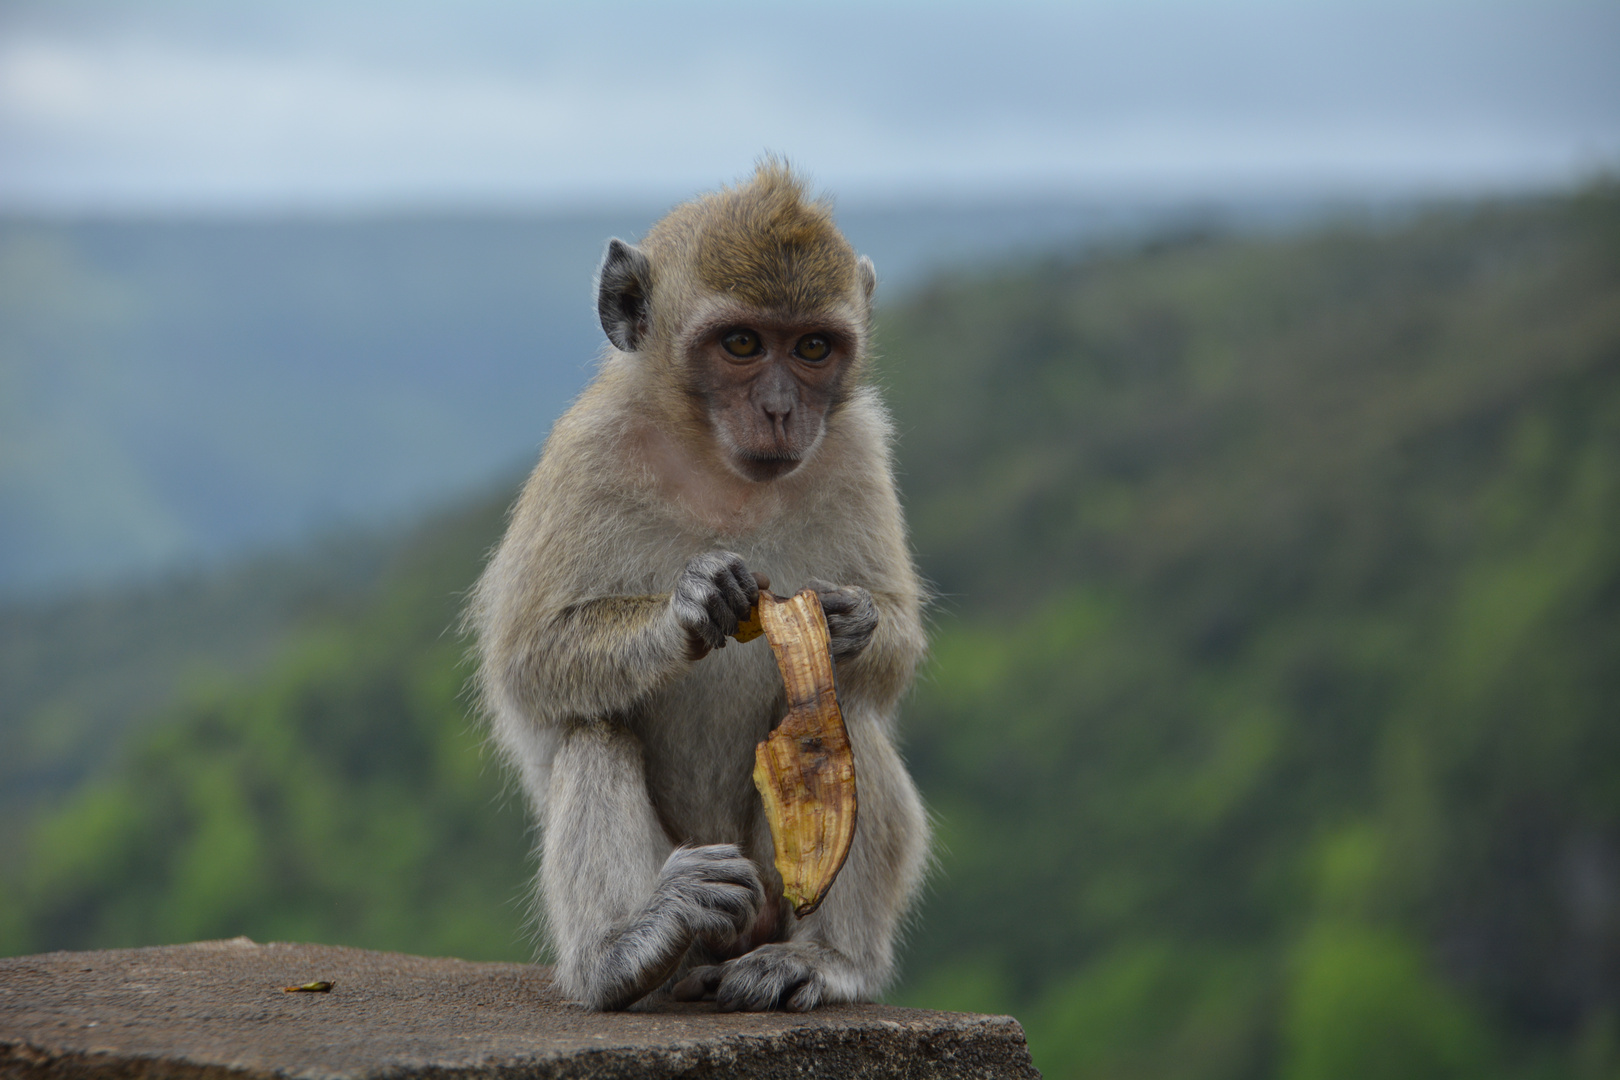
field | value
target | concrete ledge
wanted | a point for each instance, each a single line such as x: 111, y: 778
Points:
x: 216, y: 1009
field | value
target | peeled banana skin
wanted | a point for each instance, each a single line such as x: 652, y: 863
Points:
x: 805, y: 771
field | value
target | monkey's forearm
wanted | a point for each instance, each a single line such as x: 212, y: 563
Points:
x: 710, y: 890
x: 624, y: 908
x: 633, y: 962
x: 597, y: 657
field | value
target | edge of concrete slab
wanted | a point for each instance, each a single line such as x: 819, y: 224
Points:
x: 218, y: 1009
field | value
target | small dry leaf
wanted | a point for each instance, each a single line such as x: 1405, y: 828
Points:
x: 805, y: 771
x: 308, y: 988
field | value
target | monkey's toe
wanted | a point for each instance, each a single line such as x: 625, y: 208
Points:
x: 806, y: 997
x: 699, y: 985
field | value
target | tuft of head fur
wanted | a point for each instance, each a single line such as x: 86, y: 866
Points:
x: 764, y: 242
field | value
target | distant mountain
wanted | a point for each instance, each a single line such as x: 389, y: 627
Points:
x: 198, y: 389
x: 1270, y: 729
x: 176, y: 391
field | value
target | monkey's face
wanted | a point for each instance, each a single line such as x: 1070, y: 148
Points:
x: 768, y: 386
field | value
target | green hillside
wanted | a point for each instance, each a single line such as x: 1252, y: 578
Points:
x: 1272, y: 726
x: 79, y: 673
x: 340, y: 797
x: 1275, y: 732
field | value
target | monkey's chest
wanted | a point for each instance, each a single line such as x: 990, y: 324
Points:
x: 698, y: 741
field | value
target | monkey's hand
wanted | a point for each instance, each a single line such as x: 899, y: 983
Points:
x: 712, y: 595
x: 852, y: 617
x: 711, y: 892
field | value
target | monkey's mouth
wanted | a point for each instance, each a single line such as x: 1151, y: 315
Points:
x: 768, y: 465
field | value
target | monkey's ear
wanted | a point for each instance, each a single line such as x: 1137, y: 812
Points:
x: 622, y: 293
x: 868, y: 274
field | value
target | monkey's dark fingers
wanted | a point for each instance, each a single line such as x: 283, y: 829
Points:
x: 710, y: 597
x: 725, y: 586
x: 740, y: 587
x: 721, y: 912
x: 852, y: 617
x: 740, y: 873
x: 700, y: 985
x: 699, y: 626
x: 717, y: 887
x: 731, y: 892
x: 737, y: 901
x: 723, y: 618
x: 835, y: 599
x: 713, y: 862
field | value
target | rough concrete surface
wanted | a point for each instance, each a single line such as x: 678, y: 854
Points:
x: 217, y: 1009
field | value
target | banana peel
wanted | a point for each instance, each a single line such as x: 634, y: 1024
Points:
x: 805, y: 770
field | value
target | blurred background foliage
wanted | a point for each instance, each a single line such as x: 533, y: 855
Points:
x: 1271, y: 728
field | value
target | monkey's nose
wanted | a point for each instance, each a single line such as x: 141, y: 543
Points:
x: 777, y: 396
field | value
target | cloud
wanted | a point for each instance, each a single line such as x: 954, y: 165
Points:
x: 301, y: 103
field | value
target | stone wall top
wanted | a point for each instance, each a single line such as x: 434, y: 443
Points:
x: 217, y: 1009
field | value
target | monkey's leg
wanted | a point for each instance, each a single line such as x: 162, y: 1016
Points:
x: 844, y: 950
x: 623, y: 908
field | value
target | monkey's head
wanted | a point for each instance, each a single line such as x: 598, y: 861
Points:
x: 750, y: 312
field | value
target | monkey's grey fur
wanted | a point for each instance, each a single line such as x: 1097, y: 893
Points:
x: 602, y: 618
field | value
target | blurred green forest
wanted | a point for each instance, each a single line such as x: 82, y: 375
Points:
x: 1273, y: 723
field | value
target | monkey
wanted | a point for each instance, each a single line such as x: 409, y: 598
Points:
x: 731, y: 440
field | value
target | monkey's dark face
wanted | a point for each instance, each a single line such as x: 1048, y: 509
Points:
x: 767, y: 387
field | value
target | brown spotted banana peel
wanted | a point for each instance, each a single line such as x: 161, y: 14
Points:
x: 805, y: 771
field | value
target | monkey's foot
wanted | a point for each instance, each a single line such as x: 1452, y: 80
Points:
x: 779, y: 976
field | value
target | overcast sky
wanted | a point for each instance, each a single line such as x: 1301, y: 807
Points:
x: 323, y: 103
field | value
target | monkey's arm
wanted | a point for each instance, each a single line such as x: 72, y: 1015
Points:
x: 623, y: 908
x: 597, y: 657
x: 593, y: 658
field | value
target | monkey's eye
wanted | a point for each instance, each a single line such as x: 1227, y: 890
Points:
x: 741, y: 343
x: 813, y: 347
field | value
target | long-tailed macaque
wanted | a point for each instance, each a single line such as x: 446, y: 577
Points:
x: 731, y: 441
